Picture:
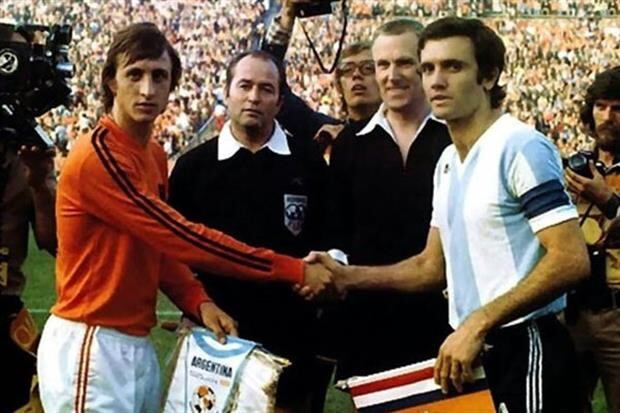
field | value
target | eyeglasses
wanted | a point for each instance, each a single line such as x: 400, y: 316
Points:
x: 366, y: 67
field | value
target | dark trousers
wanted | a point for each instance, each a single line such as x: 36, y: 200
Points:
x: 597, y: 340
x: 532, y: 368
x: 17, y: 366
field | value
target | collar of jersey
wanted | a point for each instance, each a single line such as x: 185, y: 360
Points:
x: 379, y: 119
x: 120, y: 134
x: 228, y: 146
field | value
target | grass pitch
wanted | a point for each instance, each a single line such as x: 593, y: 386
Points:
x: 40, y: 295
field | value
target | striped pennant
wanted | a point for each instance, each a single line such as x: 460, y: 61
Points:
x: 411, y: 389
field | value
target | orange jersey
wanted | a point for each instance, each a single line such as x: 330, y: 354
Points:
x: 119, y: 241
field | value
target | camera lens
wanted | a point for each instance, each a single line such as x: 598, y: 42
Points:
x: 578, y: 163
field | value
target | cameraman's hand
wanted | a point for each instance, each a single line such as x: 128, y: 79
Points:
x: 287, y: 12
x: 594, y: 190
x: 39, y: 164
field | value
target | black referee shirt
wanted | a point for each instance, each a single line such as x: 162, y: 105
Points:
x: 265, y: 199
x: 380, y: 211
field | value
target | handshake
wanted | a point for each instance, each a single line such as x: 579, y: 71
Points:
x: 323, y: 277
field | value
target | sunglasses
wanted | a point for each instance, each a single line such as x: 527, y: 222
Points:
x: 366, y: 67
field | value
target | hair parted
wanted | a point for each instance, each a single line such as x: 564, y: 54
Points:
x: 489, y: 49
x: 354, y: 49
x: 257, y: 54
x: 136, y: 42
x: 398, y: 26
x: 606, y: 85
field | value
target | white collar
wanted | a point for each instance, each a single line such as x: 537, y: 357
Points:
x: 228, y: 146
x: 379, y: 119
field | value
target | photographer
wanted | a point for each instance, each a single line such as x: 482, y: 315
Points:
x: 593, y: 316
x: 295, y: 115
x: 354, y: 79
x: 27, y: 193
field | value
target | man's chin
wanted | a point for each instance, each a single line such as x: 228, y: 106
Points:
x: 360, y: 100
x: 397, y: 104
x: 145, y: 117
x: 251, y: 124
x: 442, y: 113
x: 608, y: 142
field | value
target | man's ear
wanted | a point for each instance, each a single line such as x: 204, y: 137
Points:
x: 113, y: 86
x: 488, y: 83
x: 337, y: 82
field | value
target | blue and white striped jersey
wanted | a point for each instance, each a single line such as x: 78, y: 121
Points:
x: 488, y: 210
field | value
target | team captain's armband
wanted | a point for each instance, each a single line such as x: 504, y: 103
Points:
x: 544, y: 198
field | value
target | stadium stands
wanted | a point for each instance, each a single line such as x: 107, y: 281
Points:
x: 549, y: 61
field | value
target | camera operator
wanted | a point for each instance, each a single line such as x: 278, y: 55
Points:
x: 593, y: 316
x: 27, y: 193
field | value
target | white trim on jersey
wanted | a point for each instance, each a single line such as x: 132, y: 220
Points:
x: 488, y: 209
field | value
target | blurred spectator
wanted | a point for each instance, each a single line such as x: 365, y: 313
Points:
x: 206, y: 33
x: 549, y: 62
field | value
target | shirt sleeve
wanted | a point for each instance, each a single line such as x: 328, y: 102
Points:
x: 113, y: 190
x: 535, y: 178
x: 178, y: 283
x: 277, y: 39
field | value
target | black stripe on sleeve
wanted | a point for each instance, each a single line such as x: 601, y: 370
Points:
x: 151, y: 209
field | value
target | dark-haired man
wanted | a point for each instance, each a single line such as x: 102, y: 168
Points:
x: 593, y: 317
x: 266, y: 187
x: 119, y: 242
x: 504, y: 233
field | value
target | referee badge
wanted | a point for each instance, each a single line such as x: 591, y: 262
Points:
x: 295, y: 212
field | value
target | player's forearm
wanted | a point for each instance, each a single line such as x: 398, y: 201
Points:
x: 144, y: 215
x: 554, y: 274
x: 415, y: 274
x: 179, y: 284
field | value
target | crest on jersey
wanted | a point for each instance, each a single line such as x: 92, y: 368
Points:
x: 295, y: 207
x: 203, y: 399
x: 8, y: 62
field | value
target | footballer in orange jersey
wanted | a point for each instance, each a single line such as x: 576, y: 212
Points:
x: 119, y: 242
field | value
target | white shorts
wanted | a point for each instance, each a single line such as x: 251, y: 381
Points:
x: 85, y: 368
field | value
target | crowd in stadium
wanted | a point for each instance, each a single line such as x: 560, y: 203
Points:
x: 432, y: 160
x: 543, y: 78
x: 548, y: 65
x: 183, y: 21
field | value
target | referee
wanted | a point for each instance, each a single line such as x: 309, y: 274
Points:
x: 263, y: 186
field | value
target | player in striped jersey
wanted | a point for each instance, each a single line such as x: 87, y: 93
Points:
x: 504, y: 233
